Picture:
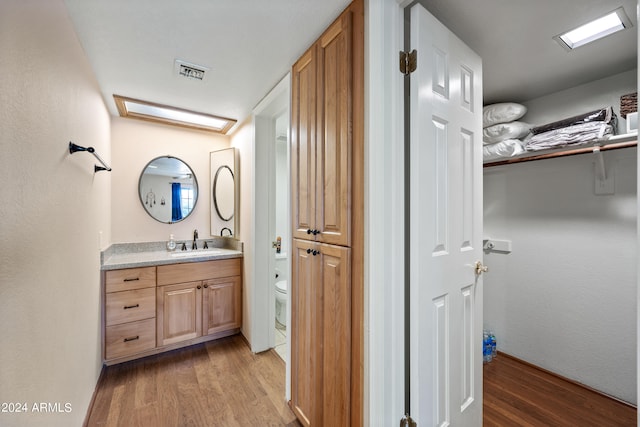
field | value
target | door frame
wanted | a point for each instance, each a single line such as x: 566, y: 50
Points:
x: 384, y: 362
x: 274, y: 104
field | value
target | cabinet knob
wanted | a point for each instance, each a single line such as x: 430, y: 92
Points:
x: 308, y: 251
x: 316, y: 232
x: 198, y: 287
x: 206, y: 286
x: 309, y: 231
x: 315, y: 253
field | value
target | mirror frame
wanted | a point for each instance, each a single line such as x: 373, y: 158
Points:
x: 227, y: 157
x: 195, y: 186
x: 214, y: 193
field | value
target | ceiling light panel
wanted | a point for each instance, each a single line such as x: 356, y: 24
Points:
x: 144, y: 110
x: 598, y: 28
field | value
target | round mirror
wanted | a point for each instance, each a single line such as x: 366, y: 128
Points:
x: 168, y: 189
x: 223, y: 193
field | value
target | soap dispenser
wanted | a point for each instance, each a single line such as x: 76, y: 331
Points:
x: 171, y: 244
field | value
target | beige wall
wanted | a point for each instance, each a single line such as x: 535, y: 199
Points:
x: 53, y: 210
x: 242, y: 139
x: 134, y: 143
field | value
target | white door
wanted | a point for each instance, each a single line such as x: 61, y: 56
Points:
x: 446, y: 227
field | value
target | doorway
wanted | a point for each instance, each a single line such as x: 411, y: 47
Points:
x: 281, y: 225
x: 271, y: 216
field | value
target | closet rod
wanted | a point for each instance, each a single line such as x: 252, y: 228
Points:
x: 564, y: 153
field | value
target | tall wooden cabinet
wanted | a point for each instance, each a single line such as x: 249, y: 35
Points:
x: 326, y: 168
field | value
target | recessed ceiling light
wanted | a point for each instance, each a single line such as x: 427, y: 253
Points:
x: 144, y: 110
x: 594, y: 30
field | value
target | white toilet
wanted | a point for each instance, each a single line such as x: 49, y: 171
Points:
x: 281, y: 302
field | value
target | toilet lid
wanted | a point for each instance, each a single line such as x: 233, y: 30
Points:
x: 281, y: 286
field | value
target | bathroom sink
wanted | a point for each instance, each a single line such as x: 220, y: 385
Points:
x: 196, y: 253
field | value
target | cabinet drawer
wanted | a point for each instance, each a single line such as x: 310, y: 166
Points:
x: 194, y: 271
x: 130, y: 338
x: 129, y: 306
x: 130, y: 278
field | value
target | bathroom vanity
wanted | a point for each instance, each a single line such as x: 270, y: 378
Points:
x: 157, y: 300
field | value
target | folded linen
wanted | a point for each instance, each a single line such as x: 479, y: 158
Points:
x: 568, y: 136
x: 602, y: 115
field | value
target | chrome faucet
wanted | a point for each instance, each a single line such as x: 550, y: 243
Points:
x: 195, y: 237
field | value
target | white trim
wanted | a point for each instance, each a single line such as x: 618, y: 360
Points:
x: 263, y: 315
x: 638, y: 237
x: 384, y: 214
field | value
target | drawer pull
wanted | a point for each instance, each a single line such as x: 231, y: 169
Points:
x: 132, y: 338
x: 131, y: 280
x: 131, y: 306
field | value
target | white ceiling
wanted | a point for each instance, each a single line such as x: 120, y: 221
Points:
x: 520, y: 59
x: 249, y: 45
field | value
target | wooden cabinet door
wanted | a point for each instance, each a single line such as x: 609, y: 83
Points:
x: 334, y: 136
x: 321, y: 333
x: 179, y: 312
x: 221, y: 304
x: 303, y: 145
x: 306, y: 367
x: 335, y: 275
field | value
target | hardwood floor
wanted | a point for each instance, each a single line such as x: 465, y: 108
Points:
x: 218, y: 383
x: 516, y: 394
x: 221, y: 383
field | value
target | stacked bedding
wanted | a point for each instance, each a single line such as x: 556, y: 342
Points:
x: 502, y: 133
x: 577, y: 130
x: 504, y: 136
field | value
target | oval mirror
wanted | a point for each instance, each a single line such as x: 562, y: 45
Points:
x: 223, y: 193
x: 168, y: 189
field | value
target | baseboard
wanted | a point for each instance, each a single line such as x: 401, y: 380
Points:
x: 569, y: 380
x: 93, y: 397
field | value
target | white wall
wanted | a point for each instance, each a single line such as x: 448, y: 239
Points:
x: 565, y: 298
x: 54, y: 208
x: 134, y: 144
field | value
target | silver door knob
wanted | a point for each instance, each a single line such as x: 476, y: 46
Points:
x: 481, y: 268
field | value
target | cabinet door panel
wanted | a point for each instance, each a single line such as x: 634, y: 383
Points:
x: 321, y: 333
x: 333, y: 163
x: 303, y: 145
x: 221, y: 304
x: 179, y: 312
x: 306, y: 368
x: 335, y: 267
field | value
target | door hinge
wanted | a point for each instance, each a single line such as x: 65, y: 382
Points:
x: 408, y: 62
x: 407, y: 421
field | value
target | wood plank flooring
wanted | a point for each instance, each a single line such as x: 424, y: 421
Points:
x: 516, y: 394
x: 218, y: 383
x: 221, y: 383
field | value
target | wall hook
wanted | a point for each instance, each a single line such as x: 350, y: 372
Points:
x: 73, y: 148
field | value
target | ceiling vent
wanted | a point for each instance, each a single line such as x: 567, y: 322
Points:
x: 189, y: 71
